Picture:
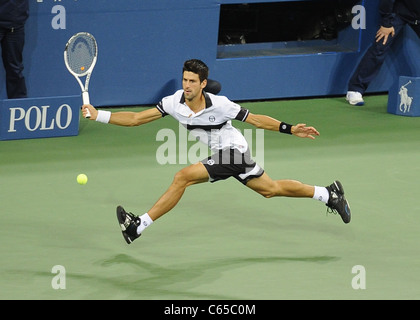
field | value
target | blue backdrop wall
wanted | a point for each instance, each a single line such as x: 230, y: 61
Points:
x: 143, y: 44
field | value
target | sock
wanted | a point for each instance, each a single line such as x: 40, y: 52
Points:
x: 321, y: 194
x: 145, y: 222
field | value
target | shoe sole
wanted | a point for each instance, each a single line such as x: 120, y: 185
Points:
x: 121, y: 217
x: 348, y: 212
x: 127, y: 238
x: 347, y: 218
x: 358, y: 104
x: 121, y: 220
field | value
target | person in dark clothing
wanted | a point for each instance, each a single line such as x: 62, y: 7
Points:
x: 395, y: 14
x: 13, y: 16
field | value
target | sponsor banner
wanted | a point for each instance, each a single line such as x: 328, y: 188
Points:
x: 404, y: 97
x: 39, y: 117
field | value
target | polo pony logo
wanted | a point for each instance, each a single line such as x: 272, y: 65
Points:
x: 406, y: 101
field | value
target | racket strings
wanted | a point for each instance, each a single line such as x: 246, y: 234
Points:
x: 81, y: 53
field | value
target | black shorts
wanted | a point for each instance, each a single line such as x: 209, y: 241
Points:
x: 232, y: 163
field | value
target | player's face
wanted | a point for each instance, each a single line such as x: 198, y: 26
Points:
x: 192, y: 85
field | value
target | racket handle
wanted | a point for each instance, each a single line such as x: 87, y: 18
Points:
x: 86, y: 100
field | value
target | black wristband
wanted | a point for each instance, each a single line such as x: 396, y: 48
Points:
x: 285, y: 128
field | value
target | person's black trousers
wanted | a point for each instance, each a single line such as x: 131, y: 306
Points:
x: 12, y: 43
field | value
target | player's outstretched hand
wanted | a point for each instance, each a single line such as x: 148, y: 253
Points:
x: 302, y: 131
x: 93, y: 111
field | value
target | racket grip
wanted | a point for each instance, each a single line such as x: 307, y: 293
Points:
x: 86, y: 100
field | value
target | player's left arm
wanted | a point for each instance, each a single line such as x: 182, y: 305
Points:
x: 269, y: 123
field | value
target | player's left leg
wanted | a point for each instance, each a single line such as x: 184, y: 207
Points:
x: 332, y: 195
x: 269, y: 188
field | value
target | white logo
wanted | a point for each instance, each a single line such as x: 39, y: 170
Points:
x: 406, y: 101
x: 35, y: 118
x: 210, y: 162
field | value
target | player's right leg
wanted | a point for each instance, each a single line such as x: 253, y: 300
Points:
x: 132, y: 226
x: 129, y: 224
x: 193, y: 174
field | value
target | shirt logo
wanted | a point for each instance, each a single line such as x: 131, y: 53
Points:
x: 212, y: 119
x: 210, y: 162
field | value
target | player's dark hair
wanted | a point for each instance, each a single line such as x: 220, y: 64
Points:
x: 198, y: 67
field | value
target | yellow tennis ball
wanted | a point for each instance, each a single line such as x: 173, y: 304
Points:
x: 82, y: 178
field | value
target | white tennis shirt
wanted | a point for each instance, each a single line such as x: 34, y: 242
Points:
x: 212, y: 125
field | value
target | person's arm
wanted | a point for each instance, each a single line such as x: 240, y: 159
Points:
x: 123, y: 118
x: 269, y: 123
x: 386, y: 10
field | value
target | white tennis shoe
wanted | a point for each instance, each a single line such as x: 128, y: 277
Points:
x: 355, y: 98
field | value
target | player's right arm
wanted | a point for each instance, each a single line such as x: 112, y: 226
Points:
x: 126, y: 118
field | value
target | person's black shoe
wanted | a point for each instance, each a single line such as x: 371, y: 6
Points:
x: 337, y: 202
x: 128, y: 223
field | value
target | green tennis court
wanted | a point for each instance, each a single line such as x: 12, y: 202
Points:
x: 222, y: 241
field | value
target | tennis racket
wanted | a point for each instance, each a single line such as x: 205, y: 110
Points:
x: 80, y: 57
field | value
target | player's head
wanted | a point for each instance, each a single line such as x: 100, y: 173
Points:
x: 194, y: 78
x: 198, y: 67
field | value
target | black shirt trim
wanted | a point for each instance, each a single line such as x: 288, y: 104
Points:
x: 206, y: 98
x: 242, y: 114
x: 159, y: 106
x: 206, y: 127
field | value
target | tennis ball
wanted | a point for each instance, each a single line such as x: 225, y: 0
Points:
x: 82, y: 178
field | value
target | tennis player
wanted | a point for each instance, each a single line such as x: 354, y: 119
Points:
x: 209, y: 118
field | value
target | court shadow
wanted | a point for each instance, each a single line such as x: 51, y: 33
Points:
x: 154, y: 280
x: 130, y: 277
